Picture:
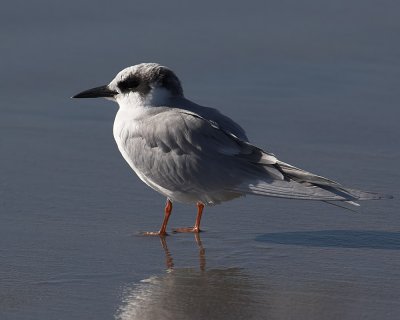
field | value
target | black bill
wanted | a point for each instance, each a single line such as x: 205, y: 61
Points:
x: 97, y: 92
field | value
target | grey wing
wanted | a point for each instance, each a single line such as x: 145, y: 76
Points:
x: 179, y: 151
x: 315, y: 184
x: 213, y: 115
x: 182, y: 152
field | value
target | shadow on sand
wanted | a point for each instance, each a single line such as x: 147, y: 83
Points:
x: 368, y: 239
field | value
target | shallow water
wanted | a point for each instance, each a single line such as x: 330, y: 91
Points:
x: 315, y: 84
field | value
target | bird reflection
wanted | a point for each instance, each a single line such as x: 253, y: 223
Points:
x: 235, y: 293
x: 189, y: 293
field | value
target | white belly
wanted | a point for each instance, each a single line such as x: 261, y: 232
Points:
x: 120, y: 132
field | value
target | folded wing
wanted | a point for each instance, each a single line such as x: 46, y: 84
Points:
x: 180, y: 150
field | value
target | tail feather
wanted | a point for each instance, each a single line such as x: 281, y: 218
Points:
x: 300, y: 184
x: 291, y: 190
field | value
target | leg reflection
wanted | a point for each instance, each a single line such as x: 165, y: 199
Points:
x: 168, y: 257
x: 202, y: 252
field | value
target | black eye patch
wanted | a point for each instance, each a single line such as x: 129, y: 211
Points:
x: 129, y: 84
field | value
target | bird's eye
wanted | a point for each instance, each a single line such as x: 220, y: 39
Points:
x: 129, y: 84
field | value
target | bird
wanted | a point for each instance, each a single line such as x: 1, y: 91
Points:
x: 195, y: 154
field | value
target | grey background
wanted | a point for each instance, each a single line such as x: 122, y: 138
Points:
x: 315, y: 82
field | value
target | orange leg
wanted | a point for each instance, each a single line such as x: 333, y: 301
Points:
x: 163, y: 229
x: 196, y: 227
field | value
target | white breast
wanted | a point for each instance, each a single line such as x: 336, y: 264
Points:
x: 124, y: 125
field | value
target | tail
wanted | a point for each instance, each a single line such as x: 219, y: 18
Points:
x: 299, y: 184
x: 349, y: 195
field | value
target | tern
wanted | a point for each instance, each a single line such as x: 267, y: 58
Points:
x: 195, y: 154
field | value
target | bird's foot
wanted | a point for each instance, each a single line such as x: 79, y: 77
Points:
x: 188, y: 229
x: 157, y: 233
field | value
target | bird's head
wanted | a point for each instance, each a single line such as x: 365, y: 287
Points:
x: 143, y: 84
